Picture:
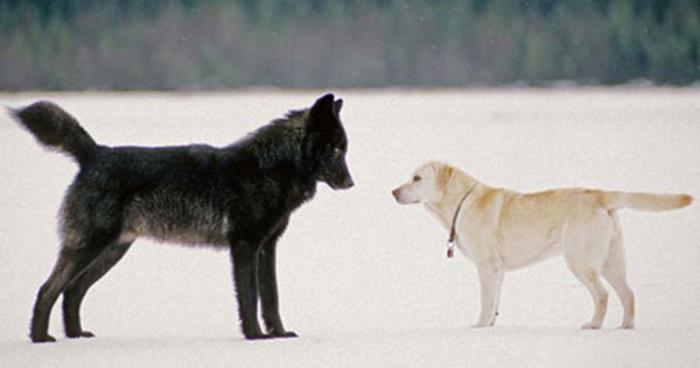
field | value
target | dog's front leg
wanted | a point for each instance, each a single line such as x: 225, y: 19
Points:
x: 267, y: 279
x: 244, y: 260
x: 490, y: 284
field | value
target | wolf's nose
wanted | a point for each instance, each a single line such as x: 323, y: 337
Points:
x: 396, y: 193
x: 349, y: 183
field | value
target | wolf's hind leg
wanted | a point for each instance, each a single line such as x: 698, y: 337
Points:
x: 78, y: 287
x: 70, y: 263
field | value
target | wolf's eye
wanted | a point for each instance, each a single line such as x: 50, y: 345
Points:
x: 337, y: 152
x: 417, y: 178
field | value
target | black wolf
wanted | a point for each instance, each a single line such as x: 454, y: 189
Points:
x: 238, y: 197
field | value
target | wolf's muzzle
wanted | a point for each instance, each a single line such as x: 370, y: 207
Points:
x: 345, y: 183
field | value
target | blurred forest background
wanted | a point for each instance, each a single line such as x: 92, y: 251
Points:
x: 221, y: 44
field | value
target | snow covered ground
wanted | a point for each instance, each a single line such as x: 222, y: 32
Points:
x: 364, y: 281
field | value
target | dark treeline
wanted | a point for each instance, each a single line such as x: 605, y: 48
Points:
x: 215, y: 44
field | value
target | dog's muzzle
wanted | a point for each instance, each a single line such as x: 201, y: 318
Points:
x: 396, y: 193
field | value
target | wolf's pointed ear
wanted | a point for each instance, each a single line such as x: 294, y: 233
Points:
x: 337, y: 106
x: 322, y: 112
x: 323, y: 106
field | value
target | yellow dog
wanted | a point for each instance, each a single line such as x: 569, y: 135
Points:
x: 501, y: 230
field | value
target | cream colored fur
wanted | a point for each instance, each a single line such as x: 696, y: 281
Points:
x: 501, y: 230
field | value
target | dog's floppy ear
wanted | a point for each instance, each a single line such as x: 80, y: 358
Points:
x: 444, y: 174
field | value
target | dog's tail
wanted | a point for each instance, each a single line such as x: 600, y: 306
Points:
x: 55, y: 128
x: 645, y: 201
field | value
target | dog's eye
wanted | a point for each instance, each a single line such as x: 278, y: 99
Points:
x: 417, y: 178
x: 337, y: 152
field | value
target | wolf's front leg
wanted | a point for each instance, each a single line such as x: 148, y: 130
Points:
x: 243, y: 258
x: 267, y: 279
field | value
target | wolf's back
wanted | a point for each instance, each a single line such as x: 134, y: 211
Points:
x: 55, y: 128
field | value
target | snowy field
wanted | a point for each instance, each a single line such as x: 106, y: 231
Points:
x: 364, y: 281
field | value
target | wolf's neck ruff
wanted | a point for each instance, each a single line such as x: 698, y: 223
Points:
x: 453, y: 231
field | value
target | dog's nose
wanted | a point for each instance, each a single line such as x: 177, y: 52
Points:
x: 396, y: 193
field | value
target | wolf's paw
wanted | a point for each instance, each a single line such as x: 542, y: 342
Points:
x: 260, y: 336
x: 85, y: 334
x: 43, y: 338
x: 285, y: 334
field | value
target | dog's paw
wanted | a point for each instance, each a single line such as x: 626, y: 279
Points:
x: 591, y: 326
x: 43, y: 338
x: 481, y: 325
x: 626, y: 327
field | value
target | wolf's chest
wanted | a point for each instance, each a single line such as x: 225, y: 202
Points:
x: 176, y: 219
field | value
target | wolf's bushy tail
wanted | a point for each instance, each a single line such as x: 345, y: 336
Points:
x: 55, y: 128
x: 645, y: 201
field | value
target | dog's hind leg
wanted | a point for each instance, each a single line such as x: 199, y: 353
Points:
x: 586, y: 243
x: 590, y: 278
x: 78, y: 287
x: 615, y: 273
x: 70, y: 262
x: 267, y: 280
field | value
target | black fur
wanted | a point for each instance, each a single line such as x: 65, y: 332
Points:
x: 238, y: 197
